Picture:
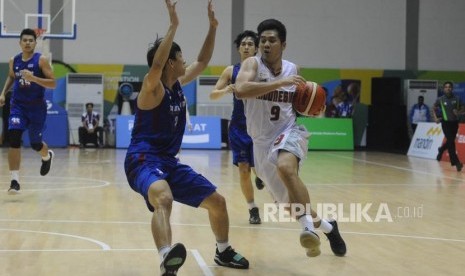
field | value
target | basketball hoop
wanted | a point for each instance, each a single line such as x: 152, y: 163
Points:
x: 42, y: 44
x: 39, y: 32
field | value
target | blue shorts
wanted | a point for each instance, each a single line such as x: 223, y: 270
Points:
x: 187, y: 186
x: 241, y: 145
x: 28, y: 116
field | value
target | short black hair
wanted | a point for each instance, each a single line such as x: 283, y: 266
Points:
x: 153, y: 49
x: 28, y: 31
x: 244, y: 34
x: 448, y: 82
x: 91, y: 104
x: 273, y: 24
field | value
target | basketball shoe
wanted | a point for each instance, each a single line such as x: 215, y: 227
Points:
x: 338, y: 246
x: 14, y: 188
x: 231, y: 258
x: 259, y: 183
x: 46, y: 165
x: 254, y: 216
x: 173, y: 260
x: 440, y: 152
x: 310, y: 241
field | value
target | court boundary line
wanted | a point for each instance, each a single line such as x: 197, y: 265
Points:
x: 103, y: 245
x: 201, y: 262
x: 240, y: 227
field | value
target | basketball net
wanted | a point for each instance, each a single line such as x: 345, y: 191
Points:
x: 43, y: 44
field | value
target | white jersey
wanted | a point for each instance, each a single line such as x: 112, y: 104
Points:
x: 271, y: 114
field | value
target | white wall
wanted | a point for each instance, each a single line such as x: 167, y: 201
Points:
x: 442, y: 35
x: 119, y: 31
x: 338, y: 33
x: 363, y: 34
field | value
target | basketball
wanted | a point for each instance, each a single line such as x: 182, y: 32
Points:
x: 309, y: 99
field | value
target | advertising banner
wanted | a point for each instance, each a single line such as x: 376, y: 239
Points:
x: 426, y: 141
x: 124, y: 125
x: 329, y: 133
x: 205, y: 133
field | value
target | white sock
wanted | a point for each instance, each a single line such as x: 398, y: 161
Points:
x: 222, y: 246
x: 325, y: 226
x: 14, y: 175
x: 163, y: 251
x: 307, y: 222
x: 252, y: 205
x: 46, y: 158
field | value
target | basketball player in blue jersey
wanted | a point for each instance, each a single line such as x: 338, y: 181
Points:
x: 267, y: 84
x: 151, y: 166
x: 241, y: 143
x: 29, y: 74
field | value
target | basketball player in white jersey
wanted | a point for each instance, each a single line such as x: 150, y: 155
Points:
x: 267, y: 84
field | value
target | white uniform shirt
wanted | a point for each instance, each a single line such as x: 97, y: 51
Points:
x: 271, y: 114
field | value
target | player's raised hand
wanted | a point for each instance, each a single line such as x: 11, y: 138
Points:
x: 211, y: 15
x: 172, y: 12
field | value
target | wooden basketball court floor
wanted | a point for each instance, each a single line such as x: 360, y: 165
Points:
x: 83, y: 218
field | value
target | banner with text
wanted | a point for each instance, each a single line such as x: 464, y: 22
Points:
x: 205, y: 133
x: 329, y: 133
x: 426, y: 141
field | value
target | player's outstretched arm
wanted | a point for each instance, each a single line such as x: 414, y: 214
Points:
x: 206, y: 52
x: 151, y: 92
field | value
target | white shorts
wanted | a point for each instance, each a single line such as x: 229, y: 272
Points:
x: 295, y: 141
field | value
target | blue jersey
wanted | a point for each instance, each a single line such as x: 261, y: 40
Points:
x: 238, y: 116
x: 156, y: 139
x: 24, y: 91
x: 159, y: 131
x: 240, y: 142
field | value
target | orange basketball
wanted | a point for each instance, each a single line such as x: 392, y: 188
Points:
x: 309, y: 99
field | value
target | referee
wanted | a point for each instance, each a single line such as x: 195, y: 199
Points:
x: 447, y: 109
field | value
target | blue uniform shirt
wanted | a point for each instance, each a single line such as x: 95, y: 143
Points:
x: 23, y: 90
x: 159, y: 131
x: 238, y: 116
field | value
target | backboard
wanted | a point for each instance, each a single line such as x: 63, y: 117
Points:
x: 55, y: 17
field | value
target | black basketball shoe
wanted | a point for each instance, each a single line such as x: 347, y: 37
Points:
x: 230, y: 258
x: 173, y: 260
x: 14, y: 188
x: 46, y: 165
x: 254, y: 216
x: 259, y: 183
x: 338, y: 246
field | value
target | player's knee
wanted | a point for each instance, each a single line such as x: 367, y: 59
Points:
x: 15, y: 138
x: 218, y: 202
x: 285, y: 169
x: 37, y: 146
x: 160, y: 199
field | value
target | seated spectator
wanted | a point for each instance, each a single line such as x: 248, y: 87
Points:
x: 331, y: 109
x: 90, y: 131
x: 419, y: 113
x: 344, y: 108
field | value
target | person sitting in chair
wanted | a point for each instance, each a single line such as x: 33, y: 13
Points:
x: 90, y: 131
